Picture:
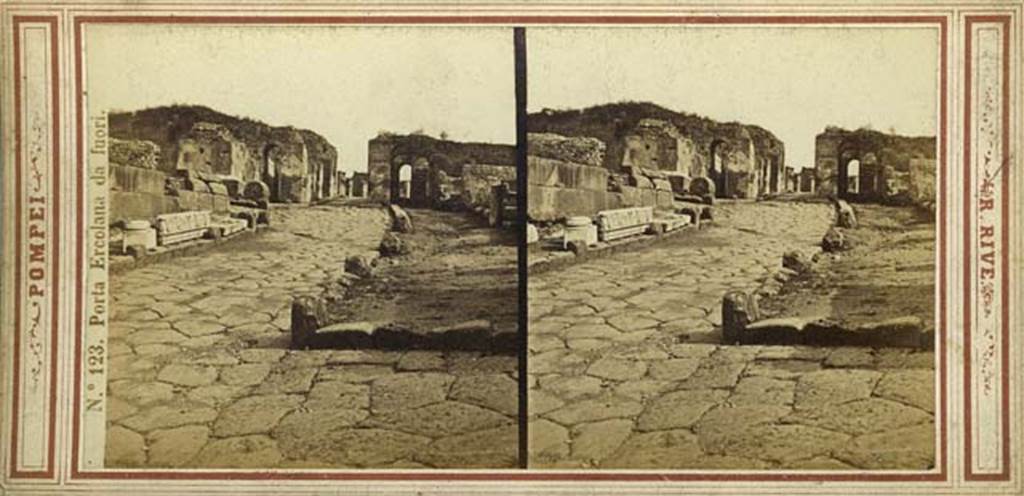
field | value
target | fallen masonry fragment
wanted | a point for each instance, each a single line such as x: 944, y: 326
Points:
x: 182, y: 226
x: 623, y: 222
x: 834, y: 241
x: 359, y: 266
x: 392, y: 245
x: 400, y: 220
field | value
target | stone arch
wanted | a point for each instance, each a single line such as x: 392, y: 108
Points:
x: 846, y: 157
x: 716, y: 167
x: 403, y: 183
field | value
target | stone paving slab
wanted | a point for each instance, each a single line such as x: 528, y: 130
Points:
x: 627, y: 369
x: 201, y: 377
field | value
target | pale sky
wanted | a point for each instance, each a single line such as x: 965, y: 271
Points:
x: 793, y: 81
x: 345, y: 83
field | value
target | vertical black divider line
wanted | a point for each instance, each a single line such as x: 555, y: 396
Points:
x: 519, y: 43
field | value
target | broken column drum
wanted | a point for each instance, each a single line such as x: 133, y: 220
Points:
x: 138, y: 233
x: 580, y: 230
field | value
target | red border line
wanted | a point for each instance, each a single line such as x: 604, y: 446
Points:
x: 511, y: 19
x: 53, y: 22
x: 942, y: 22
x: 970, y: 474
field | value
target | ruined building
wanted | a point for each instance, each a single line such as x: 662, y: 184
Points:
x: 153, y: 145
x: 867, y: 165
x: 425, y: 172
x: 640, y: 154
x: 743, y: 161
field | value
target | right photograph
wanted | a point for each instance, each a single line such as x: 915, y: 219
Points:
x: 732, y: 247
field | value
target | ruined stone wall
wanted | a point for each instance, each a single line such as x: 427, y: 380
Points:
x: 479, y: 179
x: 921, y: 181
x: 560, y: 187
x: 646, y: 136
x: 141, y: 191
x: 212, y: 149
x: 578, y: 150
x: 658, y: 145
x: 200, y: 139
x: 430, y: 159
x: 885, y: 162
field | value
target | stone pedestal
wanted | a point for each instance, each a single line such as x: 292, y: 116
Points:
x: 579, y: 230
x: 138, y: 233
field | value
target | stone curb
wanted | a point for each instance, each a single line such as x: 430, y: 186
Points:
x: 567, y: 258
x: 310, y: 330
x: 196, y: 247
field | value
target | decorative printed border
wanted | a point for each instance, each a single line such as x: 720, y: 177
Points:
x: 36, y: 217
x: 938, y: 21
x: 1005, y: 17
x: 986, y: 223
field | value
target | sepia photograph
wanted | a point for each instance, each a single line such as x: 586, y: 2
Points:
x: 733, y: 245
x: 490, y: 247
x: 312, y: 246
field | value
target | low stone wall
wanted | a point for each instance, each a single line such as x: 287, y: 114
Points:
x: 561, y: 189
x: 127, y: 206
x: 136, y: 179
x: 478, y: 180
x: 560, y: 174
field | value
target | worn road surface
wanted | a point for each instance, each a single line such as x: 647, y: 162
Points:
x: 200, y: 374
x: 626, y: 368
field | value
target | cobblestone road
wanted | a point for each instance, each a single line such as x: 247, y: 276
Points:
x: 626, y: 371
x: 200, y: 374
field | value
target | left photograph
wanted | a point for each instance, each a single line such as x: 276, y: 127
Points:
x: 311, y: 242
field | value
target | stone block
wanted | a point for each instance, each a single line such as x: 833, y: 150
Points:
x: 392, y: 246
x: 227, y: 226
x: 131, y: 206
x: 611, y: 220
x: 217, y: 188
x: 558, y: 174
x: 639, y: 181
x: 834, y: 241
x: 400, y: 220
x: 139, y: 233
x: 182, y: 226
x: 359, y: 266
x: 308, y: 314
x: 845, y: 216
x: 579, y: 230
x: 739, y: 310
x: 545, y: 203
x: 671, y: 223
x: 532, y: 234
x: 136, y: 180
x: 629, y: 196
x: 665, y: 200
x: 796, y: 261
